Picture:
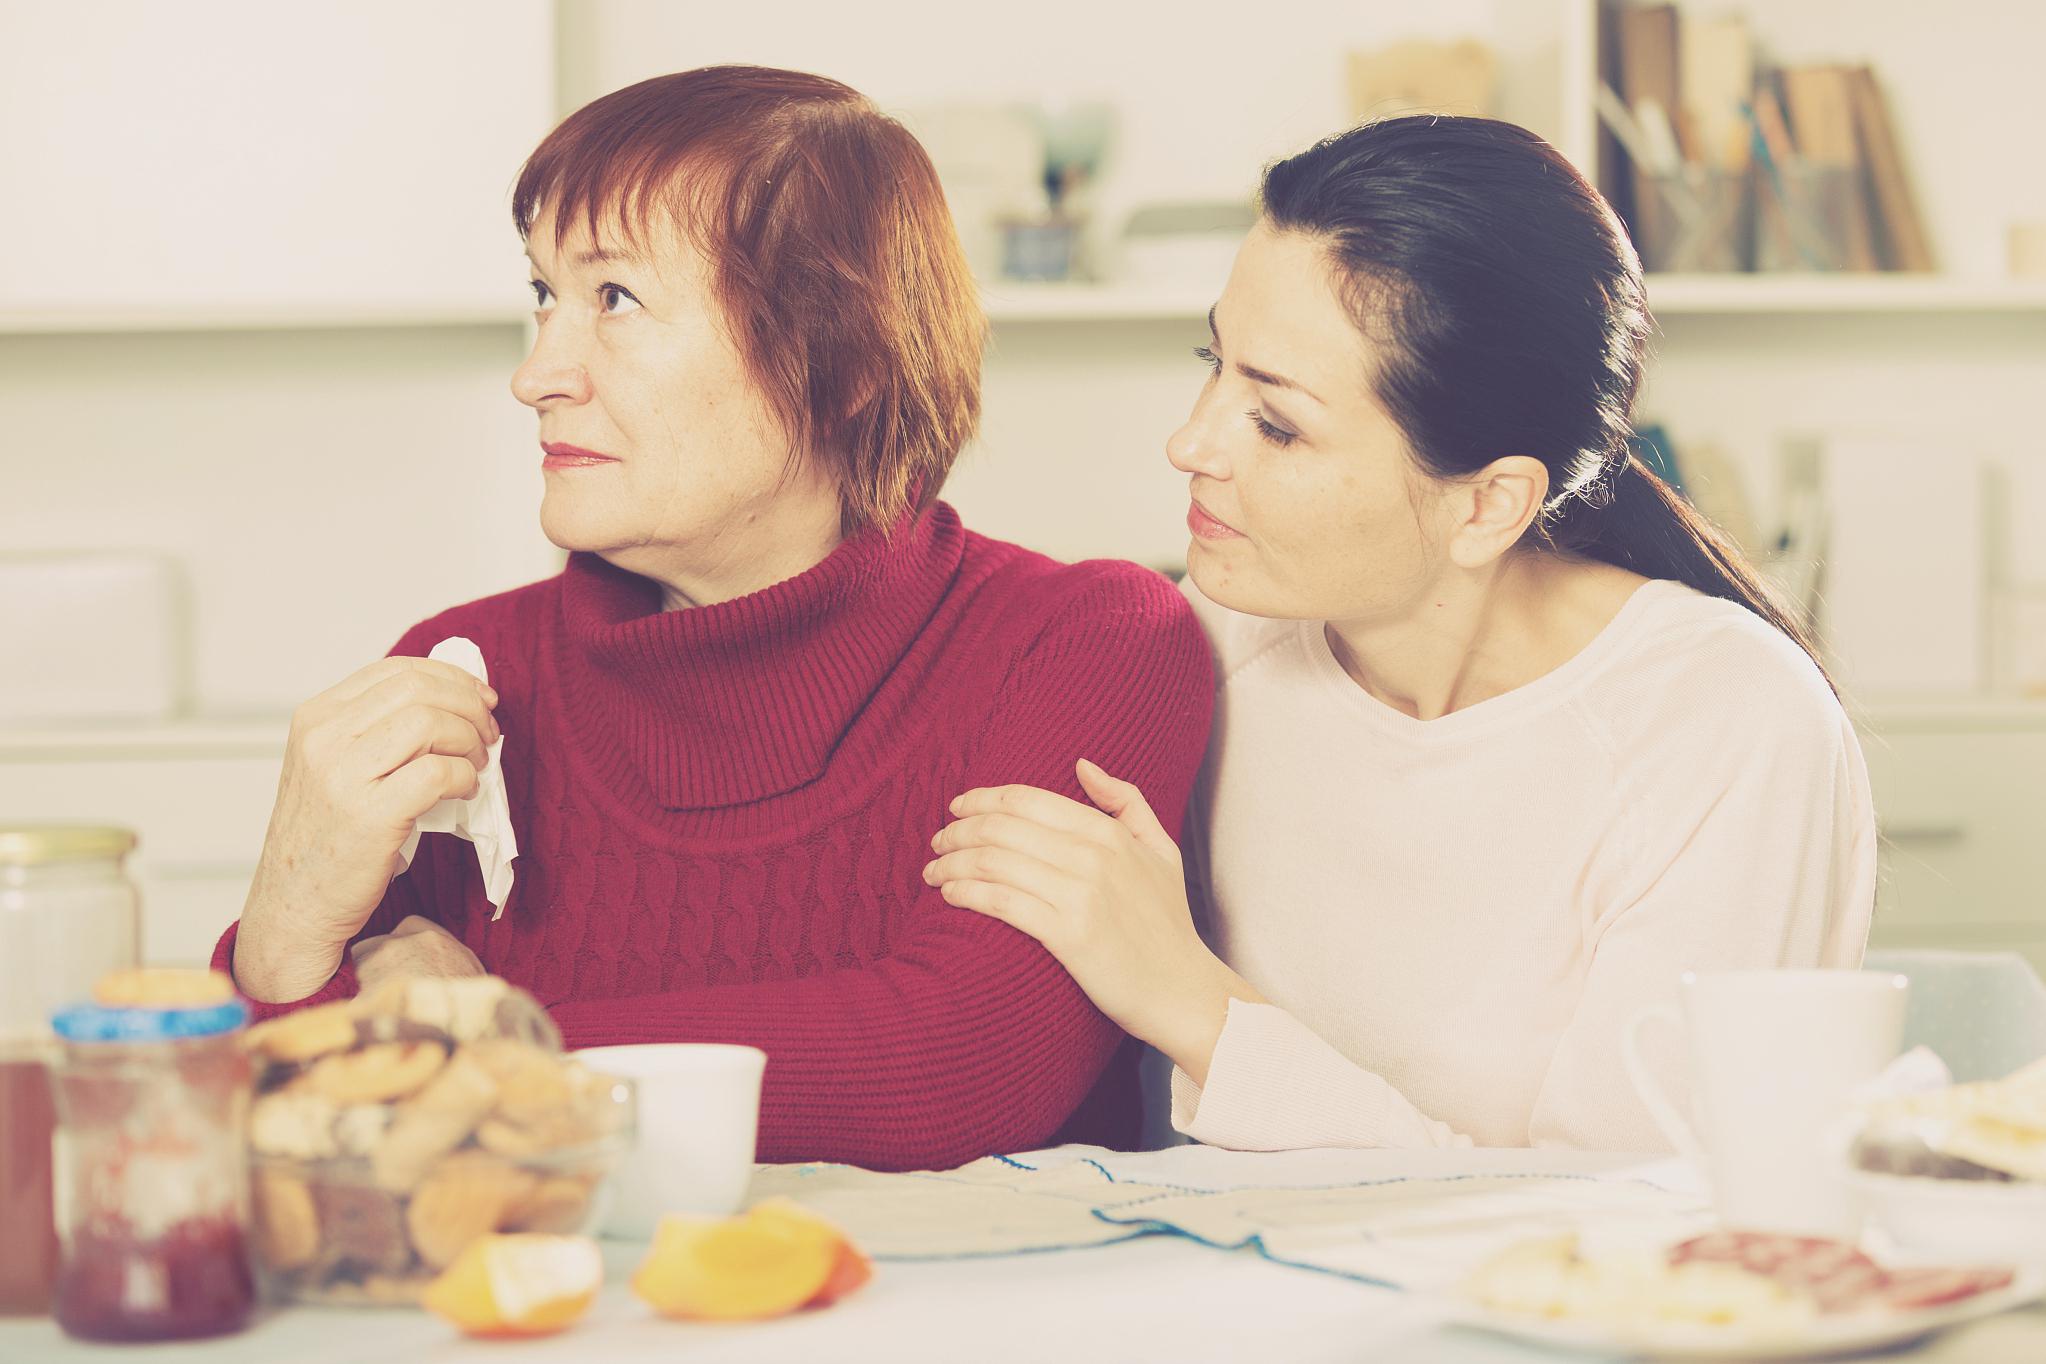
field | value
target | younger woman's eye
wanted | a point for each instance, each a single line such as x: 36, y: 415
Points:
x: 610, y: 292
x: 539, y: 293
x: 1277, y: 435
x: 1212, y: 360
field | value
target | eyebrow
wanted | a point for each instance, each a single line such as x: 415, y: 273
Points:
x: 1261, y: 376
x: 602, y: 258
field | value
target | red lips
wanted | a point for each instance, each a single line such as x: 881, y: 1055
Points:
x: 562, y: 455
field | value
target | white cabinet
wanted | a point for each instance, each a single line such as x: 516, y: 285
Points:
x: 198, y: 797
x: 1961, y: 804
x: 165, y: 159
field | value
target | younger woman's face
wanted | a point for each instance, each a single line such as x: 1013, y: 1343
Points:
x: 1306, y: 502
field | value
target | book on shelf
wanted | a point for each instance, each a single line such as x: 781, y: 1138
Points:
x: 1648, y: 79
x: 1732, y: 164
x: 1903, y: 241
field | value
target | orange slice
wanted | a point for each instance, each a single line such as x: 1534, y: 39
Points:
x: 759, y: 1264
x: 852, y: 1269
x: 517, y: 1284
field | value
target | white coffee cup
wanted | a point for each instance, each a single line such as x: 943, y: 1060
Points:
x: 699, y: 1114
x: 1774, y: 1058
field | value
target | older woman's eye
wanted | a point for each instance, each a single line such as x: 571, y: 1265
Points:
x: 610, y: 292
x: 1208, y: 357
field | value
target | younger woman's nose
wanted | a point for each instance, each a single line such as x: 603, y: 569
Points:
x: 1194, y: 449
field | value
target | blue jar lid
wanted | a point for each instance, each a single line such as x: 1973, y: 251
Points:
x: 104, y: 1023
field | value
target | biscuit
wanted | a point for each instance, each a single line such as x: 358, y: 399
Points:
x: 293, y: 1122
x: 558, y: 1205
x: 378, y: 1073
x: 532, y: 1084
x: 306, y: 1034
x: 359, y: 1128
x: 433, y: 1122
x: 467, y: 1195
x: 286, y: 1225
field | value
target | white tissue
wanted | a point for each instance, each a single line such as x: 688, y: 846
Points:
x: 484, y: 818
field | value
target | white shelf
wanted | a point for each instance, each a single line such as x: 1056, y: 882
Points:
x: 87, y: 321
x: 253, y: 736
x: 1668, y: 296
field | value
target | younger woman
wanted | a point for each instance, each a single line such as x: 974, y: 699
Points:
x: 1506, y: 737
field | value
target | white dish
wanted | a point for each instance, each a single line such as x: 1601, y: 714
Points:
x: 1960, y: 1220
x: 1820, y: 1338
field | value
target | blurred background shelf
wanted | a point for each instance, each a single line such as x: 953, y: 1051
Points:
x: 1840, y: 293
x: 323, y: 317
x: 1668, y: 295
x: 198, y: 736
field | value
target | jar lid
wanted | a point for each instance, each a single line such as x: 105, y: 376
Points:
x: 105, y: 1023
x: 33, y: 844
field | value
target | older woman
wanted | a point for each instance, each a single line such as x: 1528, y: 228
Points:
x: 771, y: 659
x: 1508, y: 737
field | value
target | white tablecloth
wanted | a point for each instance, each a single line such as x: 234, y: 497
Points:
x: 1159, y: 1297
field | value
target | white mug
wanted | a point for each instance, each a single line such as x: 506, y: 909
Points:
x: 1774, y: 1058
x: 699, y: 1114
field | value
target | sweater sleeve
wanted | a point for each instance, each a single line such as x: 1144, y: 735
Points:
x: 1275, y: 1085
x: 1765, y: 858
x: 968, y: 1038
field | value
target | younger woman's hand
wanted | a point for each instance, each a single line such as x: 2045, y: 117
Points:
x: 1104, y: 891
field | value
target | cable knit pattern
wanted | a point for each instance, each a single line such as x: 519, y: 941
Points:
x: 723, y: 814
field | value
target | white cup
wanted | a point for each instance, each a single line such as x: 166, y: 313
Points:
x: 699, y: 1113
x: 1775, y: 1057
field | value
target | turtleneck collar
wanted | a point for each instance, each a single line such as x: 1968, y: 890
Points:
x: 726, y: 704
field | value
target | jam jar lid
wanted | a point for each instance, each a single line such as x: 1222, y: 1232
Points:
x: 154, y: 1005
x: 106, y: 1023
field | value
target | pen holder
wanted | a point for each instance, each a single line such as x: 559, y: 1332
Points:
x: 1809, y: 216
x: 1703, y: 222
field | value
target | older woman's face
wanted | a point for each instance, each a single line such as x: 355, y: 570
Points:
x: 678, y: 468
x: 1307, y: 504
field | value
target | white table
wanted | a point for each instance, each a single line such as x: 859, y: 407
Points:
x: 1158, y: 1297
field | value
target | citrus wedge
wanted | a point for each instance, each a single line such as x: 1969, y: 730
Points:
x: 517, y: 1284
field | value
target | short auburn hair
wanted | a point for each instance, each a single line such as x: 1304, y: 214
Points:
x: 832, y: 254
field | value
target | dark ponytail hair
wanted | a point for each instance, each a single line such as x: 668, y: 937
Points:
x: 1507, y: 304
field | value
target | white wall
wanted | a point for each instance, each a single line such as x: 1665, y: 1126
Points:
x: 1071, y: 457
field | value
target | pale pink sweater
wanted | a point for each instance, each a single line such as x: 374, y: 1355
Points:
x: 1455, y: 918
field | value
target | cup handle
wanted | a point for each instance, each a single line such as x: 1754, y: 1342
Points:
x: 1650, y: 1089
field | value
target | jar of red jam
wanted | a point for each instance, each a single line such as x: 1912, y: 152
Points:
x: 152, y: 1190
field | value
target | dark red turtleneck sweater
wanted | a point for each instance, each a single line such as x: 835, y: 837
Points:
x: 723, y: 814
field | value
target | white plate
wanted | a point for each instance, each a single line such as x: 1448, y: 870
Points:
x: 1820, y: 1338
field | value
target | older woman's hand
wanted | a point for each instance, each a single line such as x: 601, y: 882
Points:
x: 416, y: 947
x: 364, y: 761
x: 1104, y: 891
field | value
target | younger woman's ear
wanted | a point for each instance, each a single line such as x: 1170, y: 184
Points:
x: 1500, y: 501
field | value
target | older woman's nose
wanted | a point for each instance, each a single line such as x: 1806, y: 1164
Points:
x: 549, y: 376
